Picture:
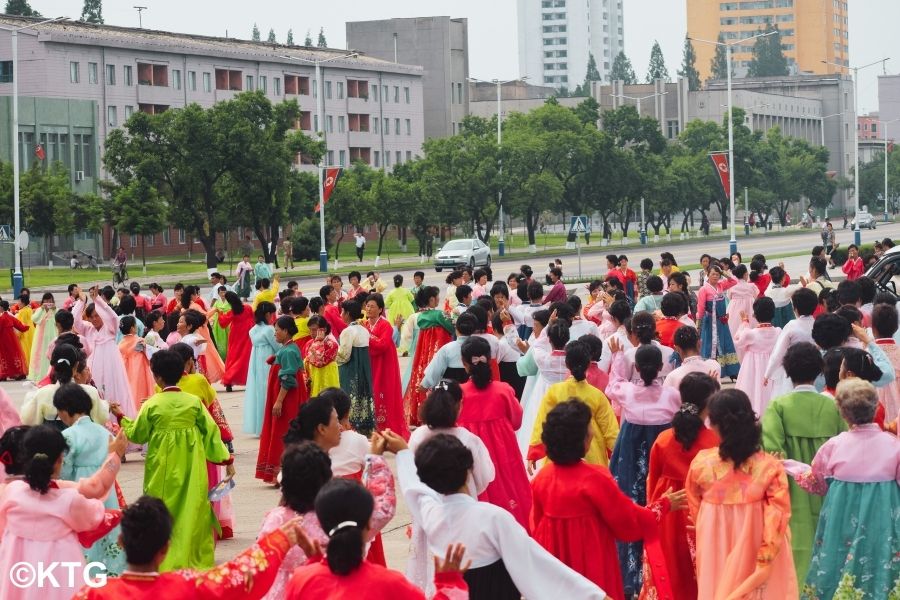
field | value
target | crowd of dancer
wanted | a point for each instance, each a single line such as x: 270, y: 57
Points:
x: 548, y: 443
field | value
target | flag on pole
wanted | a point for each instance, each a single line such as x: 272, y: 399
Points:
x: 720, y: 162
x: 330, y: 179
x: 39, y: 152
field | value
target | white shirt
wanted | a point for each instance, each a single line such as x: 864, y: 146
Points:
x: 489, y: 534
x: 482, y: 472
x: 349, y: 457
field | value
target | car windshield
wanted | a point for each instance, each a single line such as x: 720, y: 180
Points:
x: 457, y: 245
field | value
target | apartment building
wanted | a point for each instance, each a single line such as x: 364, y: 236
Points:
x: 373, y: 108
x: 812, y: 31
x: 556, y: 38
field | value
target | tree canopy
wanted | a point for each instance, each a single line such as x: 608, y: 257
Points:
x: 290, y: 37
x: 657, y: 67
x: 21, y: 8
x: 622, y: 69
x: 719, y: 65
x: 768, y: 55
x: 321, y: 43
x: 272, y: 39
x: 254, y: 35
x: 689, y: 66
x: 92, y: 12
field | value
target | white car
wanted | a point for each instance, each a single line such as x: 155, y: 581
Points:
x: 866, y: 221
x: 461, y: 253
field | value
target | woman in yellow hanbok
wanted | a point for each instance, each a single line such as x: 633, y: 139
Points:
x: 319, y: 358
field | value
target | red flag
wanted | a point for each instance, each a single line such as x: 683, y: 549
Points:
x: 720, y: 162
x: 39, y: 152
x: 332, y: 174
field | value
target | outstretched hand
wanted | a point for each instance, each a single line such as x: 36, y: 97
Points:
x: 677, y: 500
x: 452, y: 562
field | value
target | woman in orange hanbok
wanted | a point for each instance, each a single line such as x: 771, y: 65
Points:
x: 137, y: 366
x: 740, y: 505
x: 433, y: 331
x: 212, y: 365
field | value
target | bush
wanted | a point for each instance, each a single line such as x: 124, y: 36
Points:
x: 306, y: 240
x: 839, y: 255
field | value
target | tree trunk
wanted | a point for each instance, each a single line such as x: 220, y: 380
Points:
x: 530, y: 225
x: 143, y: 254
x: 272, y: 256
x: 209, y: 245
x: 382, y: 231
x: 337, y: 244
x: 724, y: 212
x: 403, y: 238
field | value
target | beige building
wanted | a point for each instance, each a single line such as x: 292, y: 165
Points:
x: 812, y: 31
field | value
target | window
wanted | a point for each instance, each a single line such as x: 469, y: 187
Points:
x: 110, y: 74
x: 376, y: 121
x: 342, y: 157
x: 387, y: 159
x: 6, y: 71
x: 340, y: 90
x: 459, y: 92
x: 375, y: 96
x: 129, y: 110
x: 384, y: 93
x: 156, y: 75
x: 330, y: 157
x: 192, y: 81
x: 329, y: 124
x: 397, y: 126
x: 92, y: 72
x: 26, y: 150
x: 377, y: 160
x: 249, y: 83
x: 128, y: 72
x: 228, y: 80
x: 276, y: 86
x: 207, y: 82
x: 296, y: 85
x: 176, y: 79
x: 305, y: 120
x: 73, y: 72
x: 167, y: 236
x: 341, y: 125
x: 360, y: 154
x: 150, y: 239
x: 399, y: 157
x: 328, y: 90
x: 408, y: 127
x: 263, y: 84
x: 387, y: 126
x: 111, y: 116
x: 672, y: 129
x: 83, y: 145
x: 357, y: 88
x: 358, y: 122
x: 408, y: 155
x: 182, y: 238
x: 56, y: 146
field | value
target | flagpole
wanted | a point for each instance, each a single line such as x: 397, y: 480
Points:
x: 323, y: 251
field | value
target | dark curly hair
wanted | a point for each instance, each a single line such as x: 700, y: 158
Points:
x: 696, y: 389
x: 443, y: 463
x: 732, y: 414
x: 305, y: 468
x: 803, y: 362
x: 565, y: 430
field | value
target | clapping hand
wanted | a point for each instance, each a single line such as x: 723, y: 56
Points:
x: 452, y: 562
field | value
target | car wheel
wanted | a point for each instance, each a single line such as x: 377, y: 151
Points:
x: 488, y: 263
x: 873, y: 224
x: 472, y: 263
x: 438, y: 269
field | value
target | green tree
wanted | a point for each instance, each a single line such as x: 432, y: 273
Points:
x: 719, y: 65
x: 768, y: 55
x: 588, y: 111
x: 307, y: 41
x: 657, y: 67
x: 130, y: 207
x: 689, y: 66
x: 272, y: 39
x: 92, y: 12
x: 255, y: 33
x: 622, y: 70
x: 871, y: 181
x: 20, y: 8
x: 349, y: 208
x: 48, y: 203
x: 290, y: 37
x: 321, y: 43
x: 6, y: 192
x: 592, y: 74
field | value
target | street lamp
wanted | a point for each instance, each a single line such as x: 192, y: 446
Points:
x: 884, y: 130
x: 638, y: 100
x: 857, y: 234
x: 732, y: 246
x: 14, y: 34
x: 501, y: 242
x: 320, y: 111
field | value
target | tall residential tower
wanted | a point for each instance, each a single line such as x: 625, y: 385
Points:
x: 557, y: 36
x: 812, y: 31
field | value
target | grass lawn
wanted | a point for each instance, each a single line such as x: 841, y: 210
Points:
x: 41, y: 277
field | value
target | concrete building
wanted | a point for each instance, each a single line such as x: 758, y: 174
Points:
x: 438, y: 44
x: 869, y: 127
x: 889, y: 98
x: 556, y: 38
x: 812, y: 31
x: 373, y: 107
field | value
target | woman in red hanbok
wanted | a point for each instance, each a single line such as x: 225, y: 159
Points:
x: 433, y: 331
x: 388, y: 396
x: 491, y: 411
x: 213, y: 366
x: 239, y: 321
x: 12, y: 358
x: 670, y: 459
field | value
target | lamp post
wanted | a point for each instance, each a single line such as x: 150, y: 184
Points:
x: 638, y: 100
x: 320, y: 112
x: 732, y: 245
x: 884, y: 131
x: 18, y: 279
x: 857, y: 234
x: 501, y: 242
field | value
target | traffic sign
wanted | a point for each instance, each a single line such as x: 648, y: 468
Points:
x: 579, y: 224
x: 6, y: 233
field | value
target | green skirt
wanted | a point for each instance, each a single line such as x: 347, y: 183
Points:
x: 356, y: 380
x: 858, y: 535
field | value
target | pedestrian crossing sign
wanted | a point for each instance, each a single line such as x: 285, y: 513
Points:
x: 6, y: 233
x: 579, y: 224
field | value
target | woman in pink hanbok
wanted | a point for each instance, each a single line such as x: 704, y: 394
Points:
x: 99, y: 324
x: 740, y: 300
x: 40, y: 521
x: 755, y: 344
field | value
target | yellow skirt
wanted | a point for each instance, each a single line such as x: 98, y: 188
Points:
x: 322, y: 377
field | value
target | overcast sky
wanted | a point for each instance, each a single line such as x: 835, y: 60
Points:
x: 493, y: 37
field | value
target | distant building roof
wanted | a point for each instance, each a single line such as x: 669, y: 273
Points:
x: 77, y: 32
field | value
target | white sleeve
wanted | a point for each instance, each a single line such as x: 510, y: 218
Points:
x: 419, y: 497
x: 781, y: 346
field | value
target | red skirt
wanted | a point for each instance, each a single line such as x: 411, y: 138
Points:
x: 428, y: 343
x: 271, y: 444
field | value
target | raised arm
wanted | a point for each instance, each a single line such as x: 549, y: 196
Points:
x: 379, y: 481
x: 107, y: 314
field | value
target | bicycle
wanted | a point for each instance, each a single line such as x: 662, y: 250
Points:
x: 119, y: 273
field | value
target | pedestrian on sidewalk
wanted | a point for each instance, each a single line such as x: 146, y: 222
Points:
x: 360, y: 245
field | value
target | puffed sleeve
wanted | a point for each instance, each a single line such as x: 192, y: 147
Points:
x: 379, y: 481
